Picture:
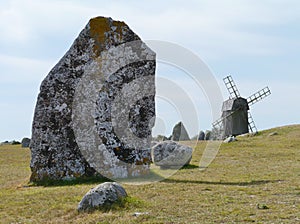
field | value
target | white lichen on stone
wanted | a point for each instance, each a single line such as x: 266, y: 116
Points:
x: 105, y: 194
x: 169, y: 154
x: 74, y: 128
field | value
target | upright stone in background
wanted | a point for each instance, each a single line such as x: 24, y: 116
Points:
x: 207, y: 135
x: 25, y: 142
x: 98, y: 56
x: 179, y: 133
x: 201, y: 136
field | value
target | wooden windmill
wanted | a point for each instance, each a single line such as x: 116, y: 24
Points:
x: 236, y: 118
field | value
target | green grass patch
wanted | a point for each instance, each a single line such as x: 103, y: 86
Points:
x: 253, y: 180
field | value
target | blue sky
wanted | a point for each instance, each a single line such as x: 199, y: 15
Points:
x: 257, y: 42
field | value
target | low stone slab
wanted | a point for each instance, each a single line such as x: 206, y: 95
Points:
x: 103, y: 195
x: 169, y: 154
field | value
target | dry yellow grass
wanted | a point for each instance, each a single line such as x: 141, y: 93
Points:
x: 253, y: 180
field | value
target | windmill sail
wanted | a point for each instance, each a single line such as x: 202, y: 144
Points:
x: 254, y: 98
x: 231, y: 87
x: 218, y: 123
x: 251, y: 124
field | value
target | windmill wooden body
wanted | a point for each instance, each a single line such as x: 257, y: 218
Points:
x: 236, y: 118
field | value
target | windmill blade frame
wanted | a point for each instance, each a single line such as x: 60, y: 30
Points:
x: 242, y: 122
x: 258, y: 96
x: 218, y: 126
x: 231, y: 87
x: 218, y: 123
x: 251, y: 124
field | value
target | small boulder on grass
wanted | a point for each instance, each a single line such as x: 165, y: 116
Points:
x: 230, y: 139
x: 171, y: 155
x: 102, y: 196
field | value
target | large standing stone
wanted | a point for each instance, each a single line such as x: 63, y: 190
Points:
x: 102, y: 196
x: 179, y: 133
x: 94, y: 108
x: 169, y: 154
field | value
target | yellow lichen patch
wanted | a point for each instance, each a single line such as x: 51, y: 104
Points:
x: 100, y: 27
x: 119, y: 26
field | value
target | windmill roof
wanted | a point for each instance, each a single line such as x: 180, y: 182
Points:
x: 235, y: 104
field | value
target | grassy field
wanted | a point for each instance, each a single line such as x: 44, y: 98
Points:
x: 253, y: 180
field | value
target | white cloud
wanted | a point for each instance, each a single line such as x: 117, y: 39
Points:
x: 23, y: 70
x: 13, y: 26
x: 215, y: 30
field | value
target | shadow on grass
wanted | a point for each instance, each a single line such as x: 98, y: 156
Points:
x: 77, y: 181
x: 251, y: 183
x: 189, y: 167
x: 145, y: 179
x: 151, y: 177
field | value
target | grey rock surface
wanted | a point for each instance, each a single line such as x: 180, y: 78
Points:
x: 25, y: 142
x: 75, y: 132
x: 207, y: 135
x: 170, y: 154
x: 201, y: 136
x: 103, y: 195
x: 153, y: 143
x: 230, y: 139
x: 179, y: 133
x: 160, y: 138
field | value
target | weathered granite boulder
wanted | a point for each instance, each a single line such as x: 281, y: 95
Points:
x: 95, y: 109
x: 102, y: 196
x: 201, y: 136
x: 179, y: 133
x: 170, y: 154
x: 25, y: 142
